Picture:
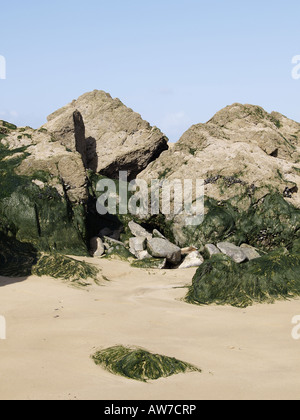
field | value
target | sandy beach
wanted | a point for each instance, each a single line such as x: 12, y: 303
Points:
x: 53, y: 328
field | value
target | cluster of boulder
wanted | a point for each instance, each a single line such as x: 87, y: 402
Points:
x: 144, y: 245
x: 238, y: 254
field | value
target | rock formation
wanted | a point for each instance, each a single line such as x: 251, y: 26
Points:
x: 117, y: 139
x: 242, y: 154
x: 242, y: 147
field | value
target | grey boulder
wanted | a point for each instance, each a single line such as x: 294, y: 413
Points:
x: 194, y: 259
x: 137, y: 245
x: 250, y: 252
x: 138, y: 231
x: 232, y: 251
x: 162, y: 248
x: 211, y: 250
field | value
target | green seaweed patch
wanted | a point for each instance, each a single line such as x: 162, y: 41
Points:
x: 264, y: 280
x: 139, y: 364
x: 149, y: 263
x: 65, y: 268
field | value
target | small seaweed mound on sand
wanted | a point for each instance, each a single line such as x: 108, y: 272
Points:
x: 139, y: 364
x: 65, y: 268
x: 264, y: 280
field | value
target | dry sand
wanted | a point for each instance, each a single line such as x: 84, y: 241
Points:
x: 52, y: 329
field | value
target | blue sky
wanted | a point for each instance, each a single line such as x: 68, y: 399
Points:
x: 176, y: 62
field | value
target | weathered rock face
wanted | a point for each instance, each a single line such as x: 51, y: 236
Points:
x: 240, y: 148
x: 242, y: 154
x: 117, y: 139
x: 67, y: 127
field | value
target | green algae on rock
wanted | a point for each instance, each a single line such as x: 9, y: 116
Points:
x: 32, y: 211
x: 139, y: 364
x: 220, y: 281
x: 267, y: 224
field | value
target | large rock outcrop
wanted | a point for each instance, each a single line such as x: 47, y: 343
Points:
x: 241, y: 148
x: 243, y: 154
x: 117, y: 139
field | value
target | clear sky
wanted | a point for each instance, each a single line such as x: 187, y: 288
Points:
x: 176, y: 62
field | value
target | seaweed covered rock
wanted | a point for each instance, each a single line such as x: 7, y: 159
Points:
x: 43, y: 193
x: 266, y: 224
x: 139, y: 364
x: 264, y: 280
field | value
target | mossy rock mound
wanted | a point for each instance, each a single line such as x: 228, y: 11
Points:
x: 36, y: 215
x: 66, y: 268
x: 264, y: 280
x: 139, y: 364
x: 267, y: 224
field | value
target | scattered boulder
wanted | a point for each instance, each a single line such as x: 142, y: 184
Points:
x: 97, y: 248
x: 143, y: 255
x: 157, y: 234
x: 193, y: 259
x: 232, y: 251
x: 211, y: 250
x: 138, y: 231
x: 250, y: 252
x: 162, y: 248
x: 137, y: 244
x: 188, y: 250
